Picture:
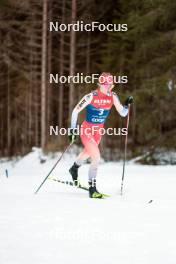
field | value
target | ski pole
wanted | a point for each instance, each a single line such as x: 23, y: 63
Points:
x: 125, y: 150
x: 65, y: 150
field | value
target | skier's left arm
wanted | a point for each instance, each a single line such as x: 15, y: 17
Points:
x: 122, y: 110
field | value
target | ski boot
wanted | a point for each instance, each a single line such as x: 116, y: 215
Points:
x: 74, y: 173
x: 93, y: 193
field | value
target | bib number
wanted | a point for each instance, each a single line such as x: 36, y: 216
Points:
x: 101, y: 111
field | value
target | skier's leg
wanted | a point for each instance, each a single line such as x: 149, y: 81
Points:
x: 78, y: 162
x: 94, y: 153
x: 92, y: 150
x: 81, y: 157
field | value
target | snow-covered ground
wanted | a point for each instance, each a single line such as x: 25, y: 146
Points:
x: 62, y: 225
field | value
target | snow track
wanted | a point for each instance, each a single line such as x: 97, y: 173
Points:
x: 62, y: 225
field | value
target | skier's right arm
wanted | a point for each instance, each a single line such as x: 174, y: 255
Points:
x: 79, y: 107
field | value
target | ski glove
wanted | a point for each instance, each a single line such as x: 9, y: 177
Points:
x: 72, y: 135
x: 128, y: 101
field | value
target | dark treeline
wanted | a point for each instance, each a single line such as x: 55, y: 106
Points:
x: 29, y: 52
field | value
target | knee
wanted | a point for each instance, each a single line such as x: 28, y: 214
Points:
x: 95, y: 159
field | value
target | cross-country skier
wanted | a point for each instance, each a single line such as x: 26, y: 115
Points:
x: 98, y: 104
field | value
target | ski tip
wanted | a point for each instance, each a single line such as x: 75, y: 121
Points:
x: 105, y: 195
x: 51, y: 178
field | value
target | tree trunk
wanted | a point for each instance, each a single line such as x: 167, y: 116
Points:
x: 43, y: 77
x: 8, y: 113
x: 61, y: 69
x: 49, y: 70
x: 72, y: 56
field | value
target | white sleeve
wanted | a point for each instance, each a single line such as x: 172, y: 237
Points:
x: 122, y: 110
x: 79, y: 107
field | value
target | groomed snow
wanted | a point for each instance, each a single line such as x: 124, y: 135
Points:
x: 62, y: 225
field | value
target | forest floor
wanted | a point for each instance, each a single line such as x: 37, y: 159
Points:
x: 61, y: 224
